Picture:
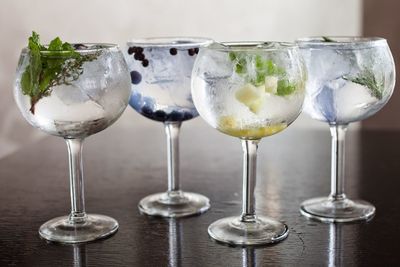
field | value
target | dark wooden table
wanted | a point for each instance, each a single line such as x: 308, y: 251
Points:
x: 125, y: 163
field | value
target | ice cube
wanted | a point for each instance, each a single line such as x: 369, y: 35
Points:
x: 327, y: 64
x: 278, y: 108
x: 352, y: 102
x: 214, y: 65
x: 70, y: 94
x: 53, y: 107
x: 163, y: 67
x: 95, y: 77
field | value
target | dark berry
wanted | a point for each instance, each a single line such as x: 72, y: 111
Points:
x: 131, y: 50
x: 160, y: 115
x: 79, y: 46
x: 136, y: 49
x: 173, y: 51
x: 191, y: 52
x: 135, y: 101
x: 187, y: 116
x: 175, y: 116
x: 138, y: 56
x: 196, y: 50
x: 147, y: 111
x: 136, y: 77
x: 145, y: 62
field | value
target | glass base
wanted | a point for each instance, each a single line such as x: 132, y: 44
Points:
x: 63, y: 230
x: 174, y: 204
x: 326, y: 209
x: 262, y: 231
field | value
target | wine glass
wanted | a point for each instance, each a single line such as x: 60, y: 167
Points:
x: 350, y: 79
x: 89, y: 93
x: 160, y: 71
x: 249, y: 90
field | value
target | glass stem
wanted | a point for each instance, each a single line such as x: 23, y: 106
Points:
x: 338, y: 133
x: 76, y: 180
x: 172, y: 131
x: 249, y: 179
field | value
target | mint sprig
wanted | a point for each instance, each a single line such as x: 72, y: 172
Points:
x: 285, y: 88
x: 50, y: 66
x: 263, y: 68
x: 367, y: 78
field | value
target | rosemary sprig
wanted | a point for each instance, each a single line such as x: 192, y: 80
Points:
x: 367, y: 78
x: 327, y: 39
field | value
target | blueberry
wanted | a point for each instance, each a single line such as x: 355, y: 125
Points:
x: 191, y: 52
x: 136, y: 77
x: 131, y: 50
x: 187, y: 116
x: 136, y: 49
x: 160, y: 115
x: 145, y: 63
x: 173, y: 51
x: 175, y: 116
x: 138, y: 56
x: 147, y: 111
x: 135, y: 101
x: 196, y: 50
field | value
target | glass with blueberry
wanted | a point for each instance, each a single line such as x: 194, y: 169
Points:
x: 160, y: 70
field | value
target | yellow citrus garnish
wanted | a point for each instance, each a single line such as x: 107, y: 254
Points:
x: 229, y: 125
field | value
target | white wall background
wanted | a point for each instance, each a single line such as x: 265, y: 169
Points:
x: 119, y: 20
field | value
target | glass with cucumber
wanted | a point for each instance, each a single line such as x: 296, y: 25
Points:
x: 249, y: 91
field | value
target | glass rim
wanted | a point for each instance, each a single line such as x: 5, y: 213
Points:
x: 340, y: 41
x: 248, y: 46
x: 171, y: 41
x: 91, y: 48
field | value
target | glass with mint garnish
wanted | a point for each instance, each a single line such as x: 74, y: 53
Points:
x: 249, y: 90
x: 349, y: 79
x: 72, y: 91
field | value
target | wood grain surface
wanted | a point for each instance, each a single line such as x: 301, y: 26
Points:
x: 123, y: 164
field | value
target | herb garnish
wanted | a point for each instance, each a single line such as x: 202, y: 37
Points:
x: 367, y: 78
x: 50, y: 66
x: 263, y: 68
x: 328, y: 40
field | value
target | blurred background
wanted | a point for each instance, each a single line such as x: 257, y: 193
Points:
x: 120, y: 20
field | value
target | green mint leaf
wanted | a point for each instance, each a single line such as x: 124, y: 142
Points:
x: 34, y: 42
x: 48, y: 75
x: 232, y: 56
x: 68, y: 47
x: 26, y: 82
x: 34, y: 69
x: 259, y: 62
x: 260, y: 79
x: 239, y: 61
x: 56, y: 45
x: 240, y: 67
x: 34, y: 38
x: 285, y: 88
